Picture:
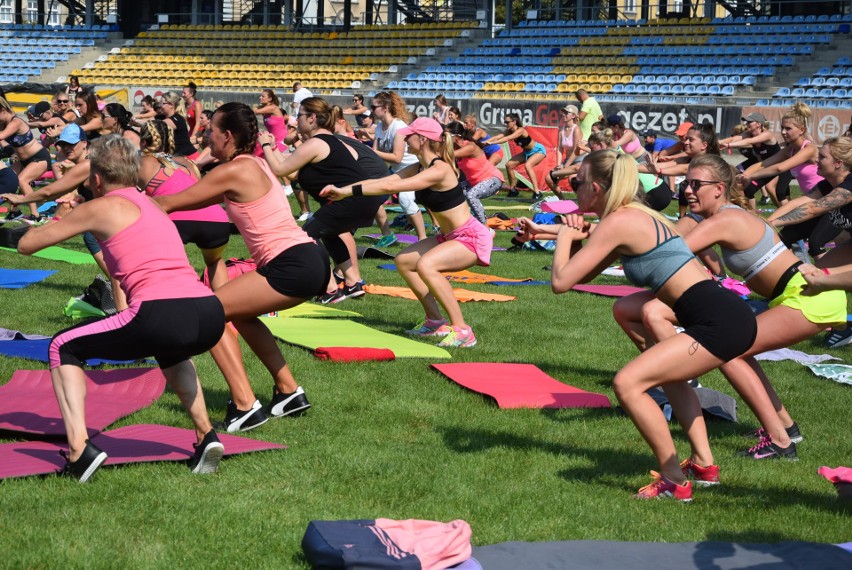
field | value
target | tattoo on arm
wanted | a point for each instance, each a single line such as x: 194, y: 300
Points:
x: 793, y: 215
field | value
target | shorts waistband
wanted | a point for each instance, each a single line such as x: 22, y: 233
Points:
x: 785, y: 279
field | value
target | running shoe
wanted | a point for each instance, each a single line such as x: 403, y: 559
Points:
x: 662, y: 488
x: 837, y: 338
x: 207, y: 454
x: 703, y: 476
x: 386, y: 241
x: 537, y: 196
x: 237, y: 420
x: 765, y: 449
x: 459, y: 337
x: 792, y: 432
x: 329, y: 297
x: 430, y: 327
x: 345, y: 291
x: 292, y: 404
x: 12, y: 215
x: 513, y: 193
x: 304, y: 217
x: 89, y: 462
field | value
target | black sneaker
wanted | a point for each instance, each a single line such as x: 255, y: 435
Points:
x: 288, y: 404
x: 83, y: 469
x: 764, y: 201
x: 237, y: 420
x: 792, y: 432
x: 12, y: 215
x: 327, y: 298
x: 837, y: 338
x: 537, y: 196
x: 513, y: 193
x: 765, y: 449
x: 347, y: 292
x: 207, y: 454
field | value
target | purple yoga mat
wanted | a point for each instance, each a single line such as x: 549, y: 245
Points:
x: 608, y: 290
x: 28, y: 404
x: 131, y: 444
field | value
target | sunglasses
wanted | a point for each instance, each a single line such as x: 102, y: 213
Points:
x: 63, y: 101
x: 695, y: 184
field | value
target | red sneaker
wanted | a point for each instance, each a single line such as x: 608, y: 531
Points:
x: 662, y: 488
x: 704, y: 476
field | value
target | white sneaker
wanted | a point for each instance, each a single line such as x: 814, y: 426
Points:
x: 304, y: 217
x: 288, y: 190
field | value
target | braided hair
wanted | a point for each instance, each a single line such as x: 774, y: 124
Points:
x: 157, y: 137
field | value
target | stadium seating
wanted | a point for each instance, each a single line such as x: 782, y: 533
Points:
x: 830, y: 83
x: 27, y: 49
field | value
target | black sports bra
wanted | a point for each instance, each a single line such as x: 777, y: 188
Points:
x: 440, y: 201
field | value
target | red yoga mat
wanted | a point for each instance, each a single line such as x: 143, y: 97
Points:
x: 608, y: 290
x: 519, y: 386
x: 28, y: 404
x: 352, y: 354
x: 132, y: 444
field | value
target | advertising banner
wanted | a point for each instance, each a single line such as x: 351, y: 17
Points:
x: 824, y: 124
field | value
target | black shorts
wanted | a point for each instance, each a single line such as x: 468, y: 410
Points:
x: 301, y: 271
x: 659, y: 198
x: 170, y: 330
x: 717, y: 319
x: 206, y: 235
x: 42, y: 155
x: 8, y: 181
x: 334, y: 218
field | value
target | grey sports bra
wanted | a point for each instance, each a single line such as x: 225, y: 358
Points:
x: 749, y: 262
x: 656, y: 266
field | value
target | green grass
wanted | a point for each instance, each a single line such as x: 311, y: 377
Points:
x: 398, y: 440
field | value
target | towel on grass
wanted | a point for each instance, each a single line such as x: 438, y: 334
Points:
x: 353, y: 354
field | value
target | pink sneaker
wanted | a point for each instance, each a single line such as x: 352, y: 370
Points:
x: 703, y: 476
x: 459, y: 337
x: 662, y: 488
x: 431, y: 328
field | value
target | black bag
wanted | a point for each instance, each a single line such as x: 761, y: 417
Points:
x: 11, y: 234
x: 99, y: 294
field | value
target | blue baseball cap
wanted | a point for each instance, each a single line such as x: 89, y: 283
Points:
x: 72, y: 134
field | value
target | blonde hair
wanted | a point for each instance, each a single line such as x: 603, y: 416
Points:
x: 177, y: 101
x: 841, y: 149
x: 724, y: 173
x: 5, y: 105
x: 739, y: 129
x: 618, y: 175
x: 604, y: 138
x: 444, y: 149
x: 799, y: 113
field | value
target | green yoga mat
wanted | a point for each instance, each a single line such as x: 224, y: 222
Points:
x: 313, y: 333
x: 56, y: 253
x: 315, y: 311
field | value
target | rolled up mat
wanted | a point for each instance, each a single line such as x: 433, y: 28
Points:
x: 131, y: 444
x: 353, y: 354
x: 519, y: 386
x: 20, y: 278
x: 28, y: 404
x: 608, y: 290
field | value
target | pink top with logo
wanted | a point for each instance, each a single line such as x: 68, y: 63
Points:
x: 148, y: 258
x: 277, y: 127
x: 806, y: 174
x: 163, y: 185
x: 267, y: 224
x: 477, y: 169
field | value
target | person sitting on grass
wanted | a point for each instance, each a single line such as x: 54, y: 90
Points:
x: 171, y: 316
x: 718, y: 324
x: 462, y: 243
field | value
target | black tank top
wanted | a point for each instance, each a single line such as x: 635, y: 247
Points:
x: 524, y: 142
x: 338, y: 168
x: 440, y: 201
x: 764, y: 151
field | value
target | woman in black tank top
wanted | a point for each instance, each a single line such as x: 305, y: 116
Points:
x: 462, y: 243
x: 764, y: 144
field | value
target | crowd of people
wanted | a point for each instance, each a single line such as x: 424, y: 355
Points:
x: 182, y: 173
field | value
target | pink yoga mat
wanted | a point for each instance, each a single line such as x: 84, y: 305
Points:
x: 520, y: 386
x: 608, y: 290
x: 131, y: 444
x: 28, y: 404
x: 560, y: 207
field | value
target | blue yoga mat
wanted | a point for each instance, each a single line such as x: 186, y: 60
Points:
x: 20, y: 278
x: 37, y: 350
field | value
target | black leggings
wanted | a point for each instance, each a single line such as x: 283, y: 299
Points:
x: 818, y: 231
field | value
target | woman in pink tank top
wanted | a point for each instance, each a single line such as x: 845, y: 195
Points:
x: 291, y: 267
x: 170, y: 316
x: 799, y: 156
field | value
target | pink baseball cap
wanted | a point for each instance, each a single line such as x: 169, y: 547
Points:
x: 424, y: 126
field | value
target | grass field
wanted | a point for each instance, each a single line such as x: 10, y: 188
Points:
x: 398, y: 440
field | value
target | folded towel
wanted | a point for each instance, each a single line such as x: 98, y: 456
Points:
x: 350, y: 354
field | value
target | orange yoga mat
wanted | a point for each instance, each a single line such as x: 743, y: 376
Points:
x: 462, y: 295
x: 466, y: 276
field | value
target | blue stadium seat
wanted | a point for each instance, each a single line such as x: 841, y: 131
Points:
x: 782, y: 92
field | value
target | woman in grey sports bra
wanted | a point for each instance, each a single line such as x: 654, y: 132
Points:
x: 752, y: 249
x: 718, y: 325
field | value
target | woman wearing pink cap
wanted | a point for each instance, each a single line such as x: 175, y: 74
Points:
x: 462, y: 243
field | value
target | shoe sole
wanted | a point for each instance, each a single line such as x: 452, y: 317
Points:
x: 342, y: 298
x: 93, y: 466
x: 241, y: 429
x: 463, y: 345
x: 294, y: 412
x: 426, y: 335
x: 210, y: 459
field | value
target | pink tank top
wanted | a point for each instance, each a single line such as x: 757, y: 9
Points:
x: 267, y: 224
x: 568, y: 140
x: 277, y: 127
x: 147, y: 257
x: 806, y: 174
x: 632, y: 146
x: 162, y: 185
x: 477, y: 169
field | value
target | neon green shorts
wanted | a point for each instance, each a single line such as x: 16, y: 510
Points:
x: 828, y: 307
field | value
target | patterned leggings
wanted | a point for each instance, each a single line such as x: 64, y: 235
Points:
x: 476, y: 193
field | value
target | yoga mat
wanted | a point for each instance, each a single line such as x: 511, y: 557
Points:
x: 312, y: 310
x: 36, y: 349
x: 519, y: 386
x: 77, y: 308
x: 28, y: 404
x: 9, y: 334
x: 461, y: 295
x: 608, y: 290
x: 372, y: 253
x: 131, y: 444
x: 466, y: 276
x: 401, y: 238
x: 56, y: 253
x: 20, y: 278
x: 560, y: 207
x: 315, y: 333
x: 597, y: 554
